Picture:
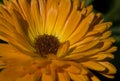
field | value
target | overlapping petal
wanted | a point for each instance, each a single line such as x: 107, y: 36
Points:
x: 85, y: 42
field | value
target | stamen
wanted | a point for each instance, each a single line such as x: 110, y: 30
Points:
x: 46, y: 44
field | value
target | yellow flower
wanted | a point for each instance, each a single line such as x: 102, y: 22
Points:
x: 53, y: 40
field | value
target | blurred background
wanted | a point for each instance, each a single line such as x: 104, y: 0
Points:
x: 111, y: 12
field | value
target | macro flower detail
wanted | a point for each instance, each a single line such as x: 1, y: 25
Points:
x: 54, y: 40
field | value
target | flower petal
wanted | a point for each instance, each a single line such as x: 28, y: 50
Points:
x: 64, y: 10
x: 79, y: 77
x: 28, y: 77
x: 89, y: 9
x: 106, y: 34
x: 25, y: 8
x: 102, y: 56
x: 112, y: 49
x: 2, y: 64
x: 51, y: 15
x: 107, y: 44
x: 70, y: 26
x: 22, y: 44
x: 110, y: 69
x: 108, y: 76
x: 94, y: 78
x: 87, y: 46
x: 37, y: 76
x: 49, y: 76
x: 84, y: 25
x: 42, y: 6
x: 11, y: 73
x: 4, y: 78
x: 94, y: 65
x: 84, y: 41
x: 7, y: 20
x: 83, y: 55
x: 63, y: 49
x: 12, y: 53
x: 36, y: 16
x: 82, y: 4
x: 63, y: 76
x: 102, y: 27
x: 73, y: 69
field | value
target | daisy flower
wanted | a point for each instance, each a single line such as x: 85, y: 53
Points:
x: 54, y: 40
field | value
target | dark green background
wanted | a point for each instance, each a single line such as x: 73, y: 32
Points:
x: 111, y: 12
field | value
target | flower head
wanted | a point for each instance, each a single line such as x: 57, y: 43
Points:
x: 53, y: 40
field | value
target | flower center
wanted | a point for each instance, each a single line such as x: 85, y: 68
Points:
x: 46, y: 44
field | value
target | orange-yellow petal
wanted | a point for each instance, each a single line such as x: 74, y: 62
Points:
x: 63, y: 49
x: 110, y: 68
x: 94, y: 65
x: 51, y: 15
x: 78, y: 77
x: 64, y: 10
x: 84, y: 25
x: 63, y: 76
